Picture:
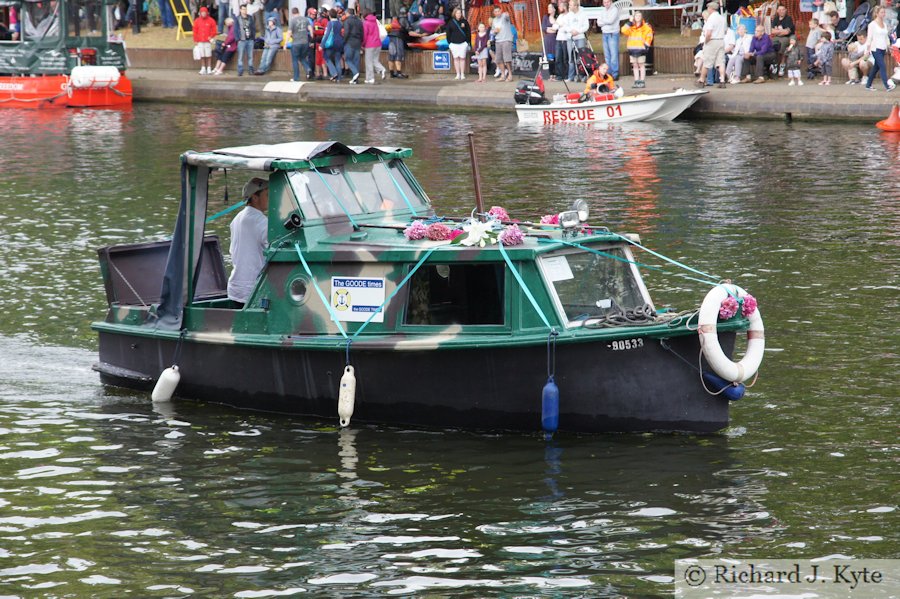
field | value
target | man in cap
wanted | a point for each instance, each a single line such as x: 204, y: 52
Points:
x: 249, y: 238
x: 713, y: 36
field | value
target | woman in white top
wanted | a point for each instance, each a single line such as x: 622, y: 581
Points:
x: 877, y: 45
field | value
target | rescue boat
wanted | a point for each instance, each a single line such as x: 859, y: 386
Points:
x: 372, y: 307
x: 531, y: 107
x: 65, y: 56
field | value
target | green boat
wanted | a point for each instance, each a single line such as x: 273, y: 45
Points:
x: 371, y: 306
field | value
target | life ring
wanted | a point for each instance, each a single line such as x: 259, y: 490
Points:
x: 736, y: 372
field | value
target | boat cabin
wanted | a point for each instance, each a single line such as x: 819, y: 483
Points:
x: 336, y: 221
x: 55, y: 36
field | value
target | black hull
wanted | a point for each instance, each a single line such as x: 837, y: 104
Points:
x: 601, y: 389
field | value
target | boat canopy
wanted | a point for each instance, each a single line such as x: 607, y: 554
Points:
x: 288, y: 156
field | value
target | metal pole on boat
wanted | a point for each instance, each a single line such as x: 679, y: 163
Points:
x: 479, y: 202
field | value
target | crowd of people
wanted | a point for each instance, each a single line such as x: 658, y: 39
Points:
x: 735, y: 56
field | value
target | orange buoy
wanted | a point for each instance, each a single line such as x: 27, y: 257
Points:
x: 892, y: 123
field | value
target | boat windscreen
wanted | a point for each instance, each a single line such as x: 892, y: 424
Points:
x: 591, y: 286
x: 356, y: 189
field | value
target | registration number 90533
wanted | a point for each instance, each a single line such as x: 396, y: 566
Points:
x: 624, y: 344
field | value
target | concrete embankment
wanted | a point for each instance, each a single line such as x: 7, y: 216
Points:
x: 773, y: 99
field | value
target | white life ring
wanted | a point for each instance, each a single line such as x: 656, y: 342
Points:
x: 737, y: 372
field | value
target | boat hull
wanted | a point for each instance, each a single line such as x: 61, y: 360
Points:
x: 653, y: 107
x: 603, y: 387
x: 55, y: 91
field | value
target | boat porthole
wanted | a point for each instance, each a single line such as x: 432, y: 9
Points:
x: 297, y: 290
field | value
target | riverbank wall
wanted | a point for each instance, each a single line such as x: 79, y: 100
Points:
x: 171, y: 76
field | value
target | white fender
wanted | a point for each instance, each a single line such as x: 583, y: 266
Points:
x: 93, y: 77
x: 166, y: 384
x: 736, y: 372
x: 347, y: 396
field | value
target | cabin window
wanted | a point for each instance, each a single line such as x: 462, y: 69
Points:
x: 85, y: 19
x: 360, y: 188
x: 40, y: 21
x: 590, y: 285
x: 464, y: 294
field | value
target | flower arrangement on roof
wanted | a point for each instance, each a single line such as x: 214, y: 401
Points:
x: 477, y: 233
x: 438, y: 232
x: 417, y: 230
x: 512, y: 235
x: 499, y: 213
x: 550, y: 219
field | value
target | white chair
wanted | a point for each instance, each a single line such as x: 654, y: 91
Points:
x: 691, y: 13
x: 624, y: 7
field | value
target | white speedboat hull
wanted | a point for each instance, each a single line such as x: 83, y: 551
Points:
x: 649, y: 107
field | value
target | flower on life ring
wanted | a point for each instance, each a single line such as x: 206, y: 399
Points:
x: 729, y: 307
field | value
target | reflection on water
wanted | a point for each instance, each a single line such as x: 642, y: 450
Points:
x: 102, y: 492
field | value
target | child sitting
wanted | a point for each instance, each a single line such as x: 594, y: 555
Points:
x: 824, y: 56
x: 792, y: 62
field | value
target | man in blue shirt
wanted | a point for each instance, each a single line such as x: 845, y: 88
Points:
x: 761, y: 54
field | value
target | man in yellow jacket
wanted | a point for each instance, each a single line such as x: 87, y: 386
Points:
x: 640, y: 37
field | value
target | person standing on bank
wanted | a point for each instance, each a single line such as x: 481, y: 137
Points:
x: 459, y: 36
x: 640, y: 36
x: 713, y: 44
x: 877, y: 45
x: 205, y: 29
x: 301, y: 38
x: 503, y: 40
x: 372, y: 47
x: 245, y: 27
x: 353, y: 38
x: 249, y: 238
x: 609, y: 27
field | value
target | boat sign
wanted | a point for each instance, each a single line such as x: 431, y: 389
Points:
x: 355, y: 298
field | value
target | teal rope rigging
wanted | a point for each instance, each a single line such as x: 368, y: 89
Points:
x: 625, y: 260
x: 669, y: 260
x: 226, y: 211
x: 335, y: 195
x: 524, y: 287
x: 387, y: 167
x: 393, y: 293
x: 325, y: 301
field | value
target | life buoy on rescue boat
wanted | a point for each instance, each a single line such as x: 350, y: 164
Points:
x: 736, y: 372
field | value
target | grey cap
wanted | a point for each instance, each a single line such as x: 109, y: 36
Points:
x: 254, y: 185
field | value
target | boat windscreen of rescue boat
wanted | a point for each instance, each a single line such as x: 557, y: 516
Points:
x: 590, y: 286
x: 351, y: 188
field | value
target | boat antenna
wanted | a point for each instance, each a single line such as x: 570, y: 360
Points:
x: 225, y: 171
x: 479, y: 202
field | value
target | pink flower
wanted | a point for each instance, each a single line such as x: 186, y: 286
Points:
x: 728, y: 308
x: 455, y: 233
x: 498, y: 213
x: 749, y: 306
x: 550, y: 219
x: 437, y: 232
x: 417, y: 230
x: 512, y: 235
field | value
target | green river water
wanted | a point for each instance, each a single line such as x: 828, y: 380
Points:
x: 104, y: 495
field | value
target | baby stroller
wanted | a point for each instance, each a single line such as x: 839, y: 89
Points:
x: 587, y: 62
x: 860, y: 20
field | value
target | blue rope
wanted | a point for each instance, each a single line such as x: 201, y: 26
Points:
x: 226, y: 211
x: 336, y: 197
x: 322, y: 297
x: 598, y: 252
x: 391, y: 296
x: 387, y: 167
x: 669, y: 260
x: 524, y: 287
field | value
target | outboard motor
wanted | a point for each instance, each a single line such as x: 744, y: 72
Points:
x: 530, y: 92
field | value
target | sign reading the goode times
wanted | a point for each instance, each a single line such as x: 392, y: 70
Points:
x: 355, y: 298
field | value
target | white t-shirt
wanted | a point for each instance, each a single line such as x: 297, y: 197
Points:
x: 878, y: 38
x: 249, y: 237
x: 715, y: 25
